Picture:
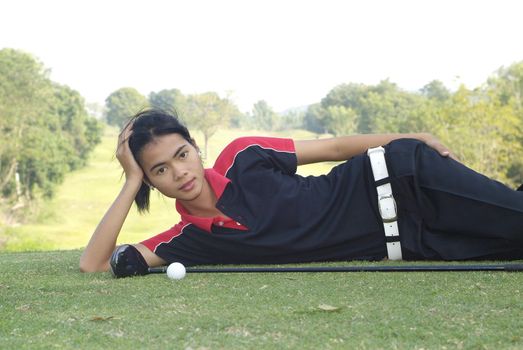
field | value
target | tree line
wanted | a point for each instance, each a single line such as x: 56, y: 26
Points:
x: 46, y: 132
x: 205, y: 112
x: 483, y: 126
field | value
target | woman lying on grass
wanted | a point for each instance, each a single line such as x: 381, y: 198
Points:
x: 415, y: 203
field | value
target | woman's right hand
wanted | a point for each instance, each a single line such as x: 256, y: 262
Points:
x: 130, y: 166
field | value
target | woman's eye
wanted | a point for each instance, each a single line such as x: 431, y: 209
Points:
x: 160, y: 171
x: 184, y: 154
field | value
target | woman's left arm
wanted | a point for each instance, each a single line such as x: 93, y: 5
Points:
x: 345, y: 147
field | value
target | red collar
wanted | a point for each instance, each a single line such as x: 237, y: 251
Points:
x: 218, y: 183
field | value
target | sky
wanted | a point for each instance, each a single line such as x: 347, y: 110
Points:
x: 286, y: 52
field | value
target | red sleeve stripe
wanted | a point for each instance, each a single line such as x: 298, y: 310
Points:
x: 165, y: 237
x: 251, y: 145
x: 228, y: 156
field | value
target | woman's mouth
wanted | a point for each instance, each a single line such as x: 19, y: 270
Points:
x: 187, y: 186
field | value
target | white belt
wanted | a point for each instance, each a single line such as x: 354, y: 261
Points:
x: 386, y: 202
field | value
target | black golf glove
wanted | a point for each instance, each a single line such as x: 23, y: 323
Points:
x: 127, y: 261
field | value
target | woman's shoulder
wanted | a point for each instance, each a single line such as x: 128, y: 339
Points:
x: 242, y: 144
x: 277, y: 143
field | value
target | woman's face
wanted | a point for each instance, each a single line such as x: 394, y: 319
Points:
x: 173, y: 166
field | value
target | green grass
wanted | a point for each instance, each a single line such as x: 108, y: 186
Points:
x: 68, y: 221
x: 47, y: 303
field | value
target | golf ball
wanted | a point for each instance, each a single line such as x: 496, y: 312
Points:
x: 176, y: 271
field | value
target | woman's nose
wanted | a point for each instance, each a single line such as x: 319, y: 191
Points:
x: 179, y: 173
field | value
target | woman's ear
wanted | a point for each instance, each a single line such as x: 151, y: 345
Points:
x: 146, y: 181
x: 197, y: 148
x: 200, y: 153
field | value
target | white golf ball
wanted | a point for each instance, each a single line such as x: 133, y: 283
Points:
x: 176, y: 271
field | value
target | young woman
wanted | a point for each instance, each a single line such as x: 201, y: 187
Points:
x: 407, y: 200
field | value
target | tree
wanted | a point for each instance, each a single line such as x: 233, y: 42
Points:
x: 481, y: 131
x: 46, y: 156
x: 353, y: 96
x: 25, y: 92
x: 507, y: 86
x: 122, y: 104
x: 292, y: 119
x: 46, y: 128
x: 238, y: 119
x: 396, y: 110
x: 207, y: 112
x: 315, y: 119
x: 264, y: 117
x: 342, y: 120
x: 379, y: 108
x: 82, y: 131
x: 436, y: 90
x: 169, y: 100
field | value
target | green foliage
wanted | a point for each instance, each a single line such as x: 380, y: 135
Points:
x: 436, y: 90
x: 506, y: 89
x: 483, y: 132
x: 81, y: 131
x: 395, y: 110
x: 315, y: 119
x: 263, y: 117
x: 341, y: 120
x: 122, y: 104
x: 380, y: 108
x: 207, y: 112
x: 47, y: 129
x: 482, y: 126
x: 237, y: 119
x: 44, y: 160
x: 507, y: 85
x: 24, y: 94
x: 292, y: 120
x: 169, y: 100
x: 354, y: 96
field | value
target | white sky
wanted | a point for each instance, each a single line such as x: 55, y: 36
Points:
x: 289, y: 53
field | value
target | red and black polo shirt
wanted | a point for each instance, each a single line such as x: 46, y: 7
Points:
x: 277, y: 216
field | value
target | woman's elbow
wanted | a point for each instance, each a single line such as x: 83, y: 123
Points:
x: 86, y: 266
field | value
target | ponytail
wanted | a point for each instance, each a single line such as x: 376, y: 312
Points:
x: 142, y: 198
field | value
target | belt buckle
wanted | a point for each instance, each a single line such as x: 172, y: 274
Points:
x: 384, y: 204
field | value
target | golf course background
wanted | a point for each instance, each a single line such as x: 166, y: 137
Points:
x: 45, y: 302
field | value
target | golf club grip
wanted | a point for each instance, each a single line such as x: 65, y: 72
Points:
x: 397, y: 268
x: 514, y: 267
x: 160, y: 269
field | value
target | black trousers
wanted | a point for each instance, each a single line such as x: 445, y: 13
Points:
x: 448, y: 211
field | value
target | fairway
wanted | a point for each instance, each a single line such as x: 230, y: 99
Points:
x: 47, y: 303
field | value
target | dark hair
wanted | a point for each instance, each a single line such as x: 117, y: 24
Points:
x: 146, y: 125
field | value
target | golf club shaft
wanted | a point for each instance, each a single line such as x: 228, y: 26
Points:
x: 397, y: 268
